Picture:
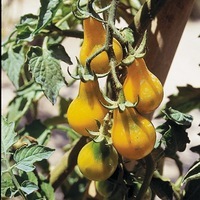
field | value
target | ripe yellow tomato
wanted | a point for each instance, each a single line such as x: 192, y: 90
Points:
x: 97, y: 160
x: 140, y: 82
x: 94, y: 39
x: 133, y: 136
x: 86, y: 108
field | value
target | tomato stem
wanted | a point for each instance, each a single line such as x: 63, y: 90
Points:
x: 150, y: 167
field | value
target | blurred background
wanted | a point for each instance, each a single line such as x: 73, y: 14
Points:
x: 184, y: 70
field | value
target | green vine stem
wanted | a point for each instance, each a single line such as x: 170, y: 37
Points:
x: 66, y: 164
x: 150, y: 168
x: 15, y: 181
x: 110, y: 50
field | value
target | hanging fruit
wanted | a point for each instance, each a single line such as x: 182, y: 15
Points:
x: 86, y: 109
x: 141, y: 83
x: 133, y: 135
x: 94, y: 40
x: 98, y: 160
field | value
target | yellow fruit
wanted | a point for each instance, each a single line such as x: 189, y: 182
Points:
x: 97, y: 160
x: 94, y: 39
x: 86, y: 108
x: 140, y: 82
x: 133, y: 136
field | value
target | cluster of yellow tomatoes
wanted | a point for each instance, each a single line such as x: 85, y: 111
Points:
x: 132, y: 135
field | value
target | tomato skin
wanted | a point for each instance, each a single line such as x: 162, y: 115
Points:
x: 94, y: 39
x: 97, y: 160
x: 133, y: 136
x: 86, y: 108
x: 140, y: 82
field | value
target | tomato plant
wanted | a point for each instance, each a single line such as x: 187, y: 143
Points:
x: 111, y: 148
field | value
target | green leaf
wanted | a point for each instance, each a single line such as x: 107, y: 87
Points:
x: 58, y: 52
x: 193, y: 173
x: 174, y: 138
x: 26, y: 26
x: 26, y: 156
x: 76, y: 184
x: 6, y: 184
x: 8, y: 135
x: 174, y: 135
x: 178, y: 117
x: 162, y: 188
x: 22, y: 102
x: 47, y: 11
x: 28, y: 187
x: 12, y: 62
x: 37, y: 130
x: 46, y: 71
x: 29, y: 176
x: 47, y: 190
x: 186, y: 100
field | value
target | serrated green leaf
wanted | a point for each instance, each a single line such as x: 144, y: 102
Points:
x: 28, y: 187
x: 29, y: 176
x: 21, y: 103
x: 58, y: 52
x: 6, y: 183
x: 185, y: 100
x: 46, y: 71
x: 8, y: 135
x: 26, y: 26
x: 175, y: 138
x: 178, y: 117
x: 37, y: 130
x: 47, y: 11
x: 48, y: 190
x: 174, y: 135
x: 18, y: 106
x: 193, y: 173
x: 26, y: 156
x: 12, y: 62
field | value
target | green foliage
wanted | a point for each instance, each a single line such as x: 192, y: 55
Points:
x: 173, y: 131
x: 185, y: 100
x: 24, y: 159
x: 46, y: 71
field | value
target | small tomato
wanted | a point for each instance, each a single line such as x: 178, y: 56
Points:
x: 133, y: 135
x: 86, y: 108
x: 97, y: 160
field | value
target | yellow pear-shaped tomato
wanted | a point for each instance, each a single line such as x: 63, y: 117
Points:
x: 86, y: 108
x: 94, y: 39
x: 140, y: 82
x: 97, y: 160
x: 133, y: 136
